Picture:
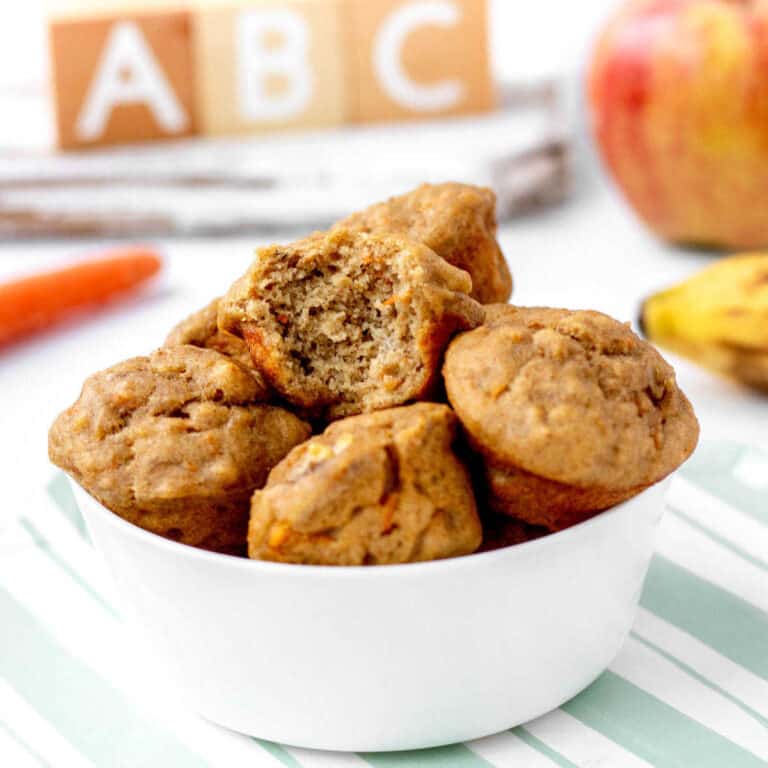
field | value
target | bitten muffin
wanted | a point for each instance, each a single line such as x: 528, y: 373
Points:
x: 379, y: 488
x: 570, y: 411
x: 457, y: 221
x: 176, y: 443
x: 200, y: 329
x: 344, y: 323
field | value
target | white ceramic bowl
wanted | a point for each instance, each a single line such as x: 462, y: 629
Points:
x: 388, y: 657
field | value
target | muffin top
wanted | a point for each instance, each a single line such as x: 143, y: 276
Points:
x: 378, y: 488
x: 457, y: 221
x: 572, y: 396
x: 183, y: 423
x: 200, y: 329
x: 344, y: 322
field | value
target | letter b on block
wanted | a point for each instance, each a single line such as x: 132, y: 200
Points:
x: 257, y: 61
x: 122, y: 79
x: 269, y: 65
x: 420, y: 58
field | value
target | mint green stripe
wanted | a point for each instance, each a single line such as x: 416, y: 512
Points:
x: 60, y: 491
x: 89, y: 712
x: 452, y: 756
x: 725, y: 622
x: 653, y: 730
x: 704, y: 680
x: 285, y: 757
x: 44, y: 545
x: 723, y: 542
x: 33, y: 753
x: 539, y: 745
x: 711, y: 468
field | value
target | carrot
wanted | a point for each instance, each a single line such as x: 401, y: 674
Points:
x: 40, y: 301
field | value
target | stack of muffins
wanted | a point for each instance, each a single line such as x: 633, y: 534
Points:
x: 366, y: 396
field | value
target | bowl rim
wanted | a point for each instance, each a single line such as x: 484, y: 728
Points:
x: 366, y: 571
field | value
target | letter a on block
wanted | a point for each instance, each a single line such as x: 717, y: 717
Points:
x: 123, y: 78
x: 273, y: 43
x: 129, y: 74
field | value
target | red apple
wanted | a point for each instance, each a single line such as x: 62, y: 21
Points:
x: 679, y: 99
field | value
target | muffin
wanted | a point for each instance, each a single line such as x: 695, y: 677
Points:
x: 457, y: 221
x: 344, y: 322
x: 200, y: 329
x: 373, y: 489
x: 569, y: 411
x: 176, y: 443
x: 500, y: 530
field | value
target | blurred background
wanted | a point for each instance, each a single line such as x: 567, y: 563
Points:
x: 530, y: 43
x: 269, y: 180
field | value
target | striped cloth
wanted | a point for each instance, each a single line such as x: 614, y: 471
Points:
x: 689, y: 689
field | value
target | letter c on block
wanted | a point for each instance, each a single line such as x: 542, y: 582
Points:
x: 387, y: 63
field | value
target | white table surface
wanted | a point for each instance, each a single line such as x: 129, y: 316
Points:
x: 590, y: 253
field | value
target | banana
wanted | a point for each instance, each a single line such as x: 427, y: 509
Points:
x: 717, y: 318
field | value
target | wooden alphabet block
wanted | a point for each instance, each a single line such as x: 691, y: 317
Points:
x: 418, y: 58
x: 127, y: 70
x: 122, y: 76
x: 265, y: 64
